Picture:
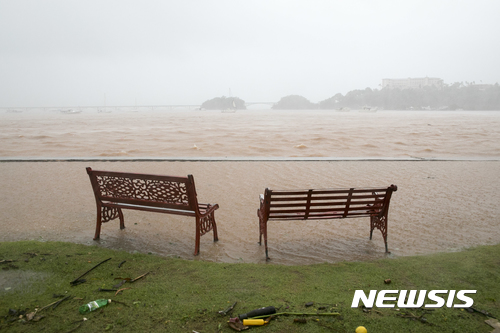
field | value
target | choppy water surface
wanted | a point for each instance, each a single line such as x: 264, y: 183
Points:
x: 258, y: 133
x: 439, y: 206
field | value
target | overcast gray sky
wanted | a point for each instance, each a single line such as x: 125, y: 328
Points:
x: 153, y: 52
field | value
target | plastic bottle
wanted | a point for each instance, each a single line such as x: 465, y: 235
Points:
x: 94, y: 305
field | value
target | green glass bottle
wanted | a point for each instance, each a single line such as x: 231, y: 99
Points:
x: 94, y: 305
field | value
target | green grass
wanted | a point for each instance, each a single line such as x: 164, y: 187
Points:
x: 183, y: 295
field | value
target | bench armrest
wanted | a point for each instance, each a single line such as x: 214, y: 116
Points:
x: 209, y: 209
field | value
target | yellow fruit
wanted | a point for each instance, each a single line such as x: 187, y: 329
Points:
x: 361, y: 329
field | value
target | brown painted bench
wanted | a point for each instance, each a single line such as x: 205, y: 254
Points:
x: 115, y: 191
x: 326, y: 204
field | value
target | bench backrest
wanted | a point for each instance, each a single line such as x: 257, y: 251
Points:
x: 326, y: 203
x: 171, y: 192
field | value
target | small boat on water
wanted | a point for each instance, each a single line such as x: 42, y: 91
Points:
x: 230, y: 110
x: 105, y: 108
x: 71, y: 111
x: 368, y: 109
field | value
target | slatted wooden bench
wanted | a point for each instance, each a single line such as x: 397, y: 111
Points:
x: 325, y: 204
x: 115, y: 191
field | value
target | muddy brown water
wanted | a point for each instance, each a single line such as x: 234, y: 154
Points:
x: 439, y: 206
x: 444, y: 205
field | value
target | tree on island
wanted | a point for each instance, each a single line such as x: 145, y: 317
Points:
x: 468, y: 96
x: 294, y: 102
x: 224, y: 103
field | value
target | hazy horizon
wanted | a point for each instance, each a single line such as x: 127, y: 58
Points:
x: 60, y: 52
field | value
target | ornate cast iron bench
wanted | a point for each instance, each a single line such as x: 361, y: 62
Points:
x: 115, y: 191
x: 326, y: 204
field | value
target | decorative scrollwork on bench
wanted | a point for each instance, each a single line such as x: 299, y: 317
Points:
x: 206, y: 224
x: 142, y: 189
x: 108, y: 214
x: 115, y: 191
x: 379, y: 223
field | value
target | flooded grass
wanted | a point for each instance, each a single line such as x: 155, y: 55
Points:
x: 178, y: 295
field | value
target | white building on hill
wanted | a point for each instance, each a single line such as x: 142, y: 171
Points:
x: 412, y: 83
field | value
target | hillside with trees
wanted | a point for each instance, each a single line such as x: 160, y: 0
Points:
x: 449, y: 97
x: 457, y: 96
x: 294, y: 102
x: 224, y: 103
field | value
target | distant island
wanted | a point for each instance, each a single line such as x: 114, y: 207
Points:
x: 456, y: 96
x: 224, y: 103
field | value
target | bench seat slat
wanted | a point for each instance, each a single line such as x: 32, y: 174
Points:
x: 318, y: 204
x: 328, y: 197
x: 320, y: 198
x: 328, y: 191
x: 339, y: 215
x: 324, y: 210
x: 152, y: 209
x: 139, y: 202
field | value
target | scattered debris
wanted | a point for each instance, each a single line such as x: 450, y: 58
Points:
x: 493, y: 323
x: 4, y: 261
x: 77, y: 327
x: 94, y: 305
x: 51, y: 304
x: 300, y: 320
x: 120, y: 291
x: 387, y: 281
x: 258, y: 313
x: 413, y: 316
x: 309, y: 304
x: 125, y: 280
x: 361, y: 329
x: 9, y: 266
x: 79, y: 279
x: 120, y: 303
x: 139, y: 277
x: 486, y: 313
x: 365, y: 309
x: 228, y: 310
x: 253, y: 322
x: 118, y: 285
x: 120, y: 265
x: 299, y: 314
x: 59, y: 302
x: 237, y: 325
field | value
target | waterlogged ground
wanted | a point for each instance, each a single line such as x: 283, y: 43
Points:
x: 439, y: 206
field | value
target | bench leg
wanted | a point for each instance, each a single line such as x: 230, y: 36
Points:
x: 267, y: 254
x: 122, y: 221
x: 381, y: 224
x: 204, y: 225
x: 197, y: 237
x: 263, y: 231
x: 98, y: 224
x: 105, y: 214
x: 214, y: 226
